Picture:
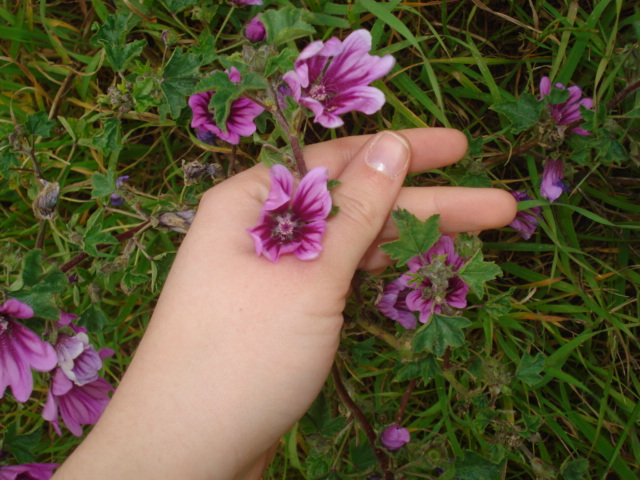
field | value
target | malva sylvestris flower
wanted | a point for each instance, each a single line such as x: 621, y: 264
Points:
x: 395, y: 437
x: 77, y: 404
x: 255, y: 31
x: 240, y: 122
x: 569, y: 111
x: 332, y: 78
x: 291, y: 223
x: 429, y: 286
x: 552, y: 185
x: 526, y: 221
x: 28, y: 471
x: 20, y: 351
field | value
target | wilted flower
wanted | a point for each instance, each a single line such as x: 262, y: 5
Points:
x: 239, y: 122
x: 568, y: 111
x: 395, y: 437
x: 552, y: 185
x: 430, y: 286
x: 77, y: 404
x: 193, y: 170
x: 331, y: 88
x: 117, y: 200
x: 255, y: 31
x: 293, y: 225
x: 28, y: 471
x: 20, y: 350
x: 177, y: 221
x: 526, y: 221
x: 45, y: 203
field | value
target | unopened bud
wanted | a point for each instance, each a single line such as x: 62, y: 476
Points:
x: 395, y: 437
x: 45, y: 203
x: 177, y: 221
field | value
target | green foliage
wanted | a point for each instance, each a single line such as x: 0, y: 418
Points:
x: 475, y: 467
x: 39, y: 124
x: 22, y: 446
x: 286, y: 24
x: 112, y: 37
x: 179, y: 77
x: 440, y: 333
x: 414, y: 236
x: 530, y: 368
x: 523, y: 113
x: 476, y: 272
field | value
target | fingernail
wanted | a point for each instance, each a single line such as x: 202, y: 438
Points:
x: 388, y: 154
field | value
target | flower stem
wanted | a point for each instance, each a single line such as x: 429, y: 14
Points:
x: 381, y: 457
x: 291, y: 135
x: 405, y: 400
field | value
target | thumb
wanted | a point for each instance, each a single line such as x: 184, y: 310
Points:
x: 368, y: 189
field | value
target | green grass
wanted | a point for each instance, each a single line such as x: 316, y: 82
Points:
x: 569, y: 297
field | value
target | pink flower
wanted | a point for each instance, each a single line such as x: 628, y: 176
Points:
x: 255, y: 31
x: 429, y: 286
x: 77, y: 358
x: 20, y: 350
x: 28, y: 471
x: 569, y: 111
x: 295, y: 225
x: 332, y: 88
x: 552, y: 185
x: 239, y: 122
x: 395, y: 437
x: 526, y: 221
x: 78, y: 405
x: 239, y: 3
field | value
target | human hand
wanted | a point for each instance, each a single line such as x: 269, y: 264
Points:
x: 239, y: 347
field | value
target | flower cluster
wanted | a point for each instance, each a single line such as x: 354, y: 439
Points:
x: 76, y: 391
x: 430, y: 286
x: 293, y: 223
x: 566, y: 112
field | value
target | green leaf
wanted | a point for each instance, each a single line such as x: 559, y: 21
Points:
x: 39, y: 124
x: 557, y: 95
x: 523, y: 113
x: 8, y: 161
x: 414, y: 236
x: 93, y: 237
x: 286, y: 24
x: 362, y: 455
x: 110, y: 139
x: 530, y: 368
x: 476, y: 272
x: 22, y: 447
x: 439, y: 333
x: 93, y: 318
x: 180, y: 76
x: 426, y: 369
x: 473, y: 466
x: 111, y: 36
x: 281, y: 63
x: 575, y: 469
x: 176, y: 6
x: 103, y: 184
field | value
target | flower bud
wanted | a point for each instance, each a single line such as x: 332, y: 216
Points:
x: 193, y: 170
x: 395, y: 437
x: 255, y: 31
x: 177, y: 221
x: 46, y: 200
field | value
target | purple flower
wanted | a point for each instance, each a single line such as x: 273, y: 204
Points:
x: 28, y: 471
x: 552, y: 185
x: 117, y: 200
x: 77, y: 358
x: 331, y: 88
x: 78, y: 404
x: 255, y: 31
x: 525, y: 222
x: 393, y: 303
x: 239, y: 3
x: 395, y: 437
x: 239, y: 122
x: 569, y: 111
x: 295, y: 225
x: 20, y: 350
x: 429, y: 286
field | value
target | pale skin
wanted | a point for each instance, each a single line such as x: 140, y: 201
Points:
x: 239, y: 347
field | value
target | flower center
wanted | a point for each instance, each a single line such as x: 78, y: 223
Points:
x: 285, y: 228
x: 319, y: 92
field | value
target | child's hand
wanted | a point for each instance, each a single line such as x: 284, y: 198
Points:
x: 238, y: 346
